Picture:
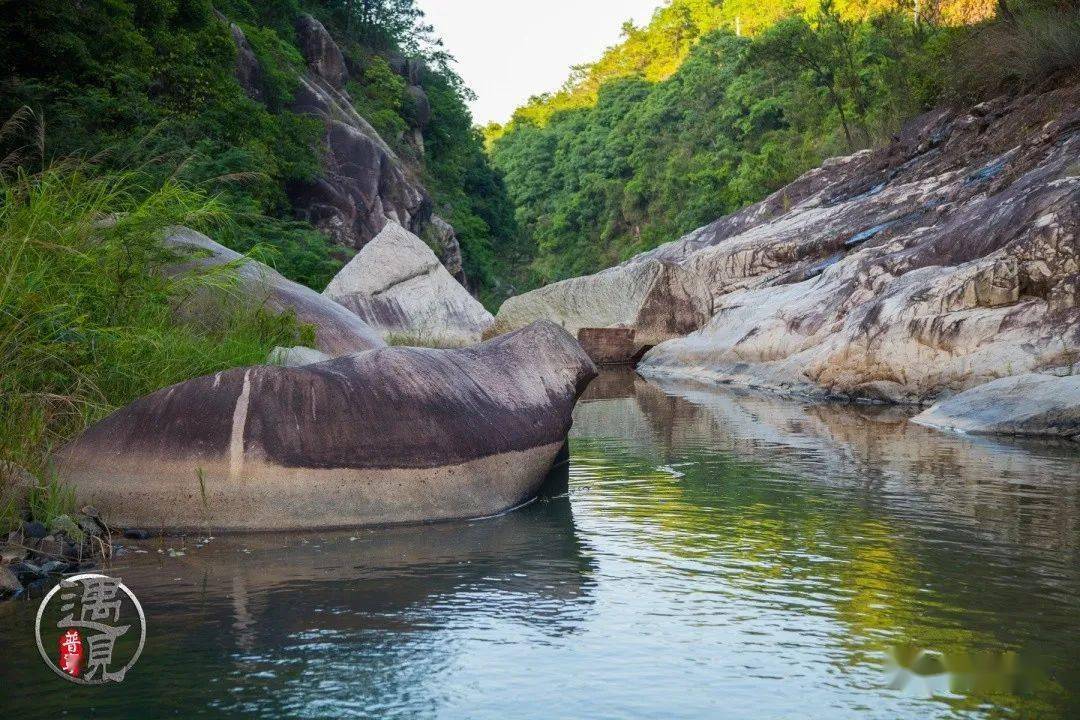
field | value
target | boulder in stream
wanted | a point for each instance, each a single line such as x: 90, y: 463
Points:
x: 393, y: 435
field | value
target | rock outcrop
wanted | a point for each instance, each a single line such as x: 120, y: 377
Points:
x: 1030, y: 404
x: 945, y: 260
x: 397, y: 285
x: 363, y: 182
x: 443, y: 236
x: 337, y: 330
x: 659, y: 300
x: 323, y: 55
x: 248, y: 71
x: 394, y: 435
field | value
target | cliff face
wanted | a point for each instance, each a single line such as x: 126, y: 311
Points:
x: 364, y: 183
x: 942, y: 261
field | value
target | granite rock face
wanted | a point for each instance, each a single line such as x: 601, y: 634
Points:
x: 321, y: 52
x: 364, y: 182
x: 943, y: 261
x: 337, y: 330
x: 393, y: 435
x: 659, y: 300
x: 397, y: 285
x: 609, y: 346
x: 248, y: 71
x: 445, y: 239
x: 1030, y: 404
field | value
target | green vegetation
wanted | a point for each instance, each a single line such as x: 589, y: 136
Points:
x: 688, y: 120
x: 150, y: 84
x: 126, y: 118
x: 87, y: 318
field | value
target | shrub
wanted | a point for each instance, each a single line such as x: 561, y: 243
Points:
x: 86, y: 315
x: 1022, y: 51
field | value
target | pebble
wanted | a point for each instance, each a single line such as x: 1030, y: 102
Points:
x: 54, y: 567
x: 9, y: 582
x: 34, y: 529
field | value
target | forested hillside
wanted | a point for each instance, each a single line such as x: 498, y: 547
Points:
x: 150, y: 85
x: 717, y: 103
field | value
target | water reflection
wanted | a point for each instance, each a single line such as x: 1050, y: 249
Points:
x: 719, y: 554
x: 893, y: 533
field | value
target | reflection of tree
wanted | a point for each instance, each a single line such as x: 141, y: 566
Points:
x: 773, y: 502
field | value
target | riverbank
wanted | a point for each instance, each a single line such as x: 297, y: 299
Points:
x: 906, y: 274
x: 716, y: 548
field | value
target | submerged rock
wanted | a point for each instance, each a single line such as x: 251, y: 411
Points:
x: 397, y: 285
x: 1030, y: 404
x: 393, y: 435
x: 658, y: 300
x: 917, y: 270
x: 337, y: 331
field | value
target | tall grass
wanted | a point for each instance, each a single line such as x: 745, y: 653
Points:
x: 1035, y: 44
x: 87, y: 320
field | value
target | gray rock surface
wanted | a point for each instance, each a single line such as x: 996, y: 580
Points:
x: 394, y: 435
x: 942, y: 261
x: 321, y: 52
x: 296, y: 356
x: 659, y: 300
x: 1029, y: 404
x: 443, y: 236
x: 248, y: 71
x: 9, y: 582
x: 397, y: 285
x: 364, y: 183
x: 337, y: 331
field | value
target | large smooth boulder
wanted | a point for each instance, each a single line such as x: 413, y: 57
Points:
x: 394, y: 435
x: 1030, y: 404
x: 907, y: 273
x: 337, y: 330
x: 657, y: 299
x: 397, y: 285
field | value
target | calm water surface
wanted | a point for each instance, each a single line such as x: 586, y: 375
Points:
x: 717, y: 555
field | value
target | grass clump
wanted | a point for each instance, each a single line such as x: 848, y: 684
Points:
x: 1023, y: 50
x: 87, y: 321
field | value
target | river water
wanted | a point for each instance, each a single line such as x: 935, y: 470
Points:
x: 718, y: 554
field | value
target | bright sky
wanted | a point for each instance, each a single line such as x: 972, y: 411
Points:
x: 509, y: 50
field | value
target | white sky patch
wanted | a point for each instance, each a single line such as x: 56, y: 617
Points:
x: 509, y: 50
